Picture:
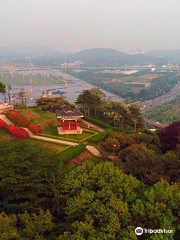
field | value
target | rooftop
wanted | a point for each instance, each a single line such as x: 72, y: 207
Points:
x: 68, y: 112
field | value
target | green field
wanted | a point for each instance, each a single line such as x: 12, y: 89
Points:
x: 139, y: 86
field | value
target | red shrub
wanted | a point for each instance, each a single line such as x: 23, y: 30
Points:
x: 34, y: 128
x: 12, y: 114
x: 2, y: 123
x: 17, y: 131
x: 17, y: 119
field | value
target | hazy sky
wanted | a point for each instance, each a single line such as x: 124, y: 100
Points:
x: 81, y: 24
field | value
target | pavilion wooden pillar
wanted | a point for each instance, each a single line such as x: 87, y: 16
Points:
x: 76, y: 124
x: 63, y: 125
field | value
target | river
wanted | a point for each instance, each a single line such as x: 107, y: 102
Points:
x: 71, y: 90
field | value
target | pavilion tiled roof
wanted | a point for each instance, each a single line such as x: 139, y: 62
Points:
x: 69, y: 112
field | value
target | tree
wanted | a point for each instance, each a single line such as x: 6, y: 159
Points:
x: 96, y: 202
x: 9, y: 93
x: 149, y: 167
x: 91, y: 101
x: 27, y: 175
x: 157, y: 209
x: 136, y: 116
x: 51, y: 103
x: 98, y: 97
x: 111, y: 144
x: 118, y: 111
x: 21, y: 95
x: 170, y: 136
x: 2, y: 88
x: 122, y: 111
x: 8, y: 228
x: 36, y: 226
x: 85, y: 100
x: 101, y: 202
x: 112, y: 112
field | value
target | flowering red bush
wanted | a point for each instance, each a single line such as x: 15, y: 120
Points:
x: 34, y: 128
x: 2, y: 123
x: 17, y: 119
x: 17, y: 131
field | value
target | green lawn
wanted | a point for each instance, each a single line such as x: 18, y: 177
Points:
x: 53, y: 132
x: 52, y: 146
x: 3, y: 132
x: 6, y: 136
x: 43, y: 119
x: 82, y: 136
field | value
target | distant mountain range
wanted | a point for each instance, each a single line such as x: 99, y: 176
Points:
x: 109, y: 57
x: 96, y: 57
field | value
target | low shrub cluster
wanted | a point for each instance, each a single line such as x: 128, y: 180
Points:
x: 22, y: 122
x: 100, y: 136
x: 71, y: 153
x: 118, y: 140
x: 17, y: 131
x: 34, y: 128
x: 17, y: 119
x: 118, y: 129
x: 105, y: 125
x: 2, y: 123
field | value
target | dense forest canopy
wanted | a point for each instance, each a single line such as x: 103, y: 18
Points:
x: 43, y: 196
x: 42, y: 199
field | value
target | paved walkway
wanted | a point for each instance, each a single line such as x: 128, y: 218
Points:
x: 54, y: 140
x: 93, y: 150
x: 93, y: 125
x: 29, y: 132
x: 5, y: 119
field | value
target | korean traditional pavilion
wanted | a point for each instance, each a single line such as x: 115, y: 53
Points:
x: 69, y: 117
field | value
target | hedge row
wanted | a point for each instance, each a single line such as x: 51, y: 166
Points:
x: 22, y: 122
x: 67, y: 139
x: 17, y: 119
x: 105, y: 125
x: 17, y: 131
x: 89, y: 129
x: 97, y: 122
x: 58, y: 138
x: 118, y: 129
x: 100, y: 136
x: 71, y: 153
x: 2, y: 123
